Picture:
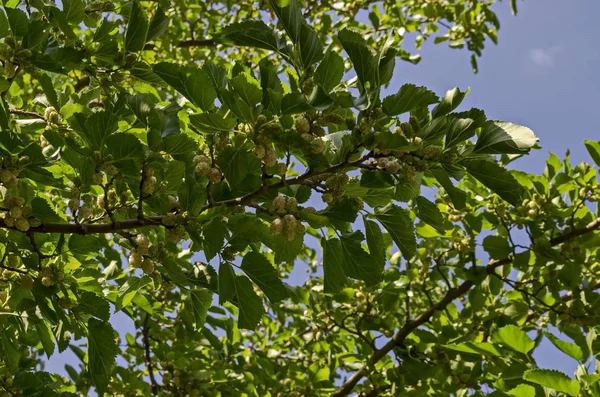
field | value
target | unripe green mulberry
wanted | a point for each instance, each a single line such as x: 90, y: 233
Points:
x: 259, y: 152
x: 47, y: 282
x: 279, y: 203
x: 201, y: 159
x: 5, y: 175
x: 270, y: 158
x: 291, y: 204
x: 74, y: 204
x: 450, y: 157
x: 307, y: 137
x: 302, y: 125
x: 281, y: 169
x: 277, y: 226
x: 327, y: 198
x: 84, y: 213
x: 414, y: 122
x: 317, y: 146
x: 148, y: 266
x: 35, y: 222
x: 392, y: 167
x: 22, y: 224
x: 308, y: 85
x: 149, y: 185
x: 432, y: 152
x: 215, y: 175
x: 168, y: 220
x: 13, y: 261
x: 202, y: 169
x: 135, y: 259
x: 65, y: 303
x: 407, y: 129
x: 9, y: 220
x: 26, y: 281
x: 16, y: 212
x: 142, y: 240
x: 97, y: 178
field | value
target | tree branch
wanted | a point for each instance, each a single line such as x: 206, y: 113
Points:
x: 147, y: 356
x: 156, y: 220
x: 451, y: 295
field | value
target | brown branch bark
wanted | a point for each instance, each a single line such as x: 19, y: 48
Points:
x: 85, y: 229
x: 147, y: 355
x: 197, y: 43
x: 452, y: 294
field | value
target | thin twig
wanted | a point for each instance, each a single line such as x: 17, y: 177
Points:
x: 147, y: 355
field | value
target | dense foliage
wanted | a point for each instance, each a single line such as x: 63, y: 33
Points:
x: 184, y: 162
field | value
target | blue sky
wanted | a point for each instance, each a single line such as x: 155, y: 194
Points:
x: 543, y: 74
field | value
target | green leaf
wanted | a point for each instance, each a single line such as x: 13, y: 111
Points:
x: 553, y: 379
x: 568, y: 348
x: 459, y: 130
x: 158, y: 24
x: 497, y: 179
x: 48, y: 87
x: 457, y: 196
x: 226, y: 283
x: 451, y: 101
x: 128, y: 291
x: 289, y: 16
x: 4, y: 25
x: 294, y: 103
x: 250, y: 304
x: 387, y: 140
x: 18, y: 21
x: 286, y: 250
x: 522, y: 391
x: 430, y: 214
x: 212, y: 122
x: 399, y: 225
x: 124, y: 146
x: 45, y: 335
x: 504, y: 138
x: 514, y: 337
x: 375, y: 241
x: 201, y: 301
x: 481, y: 348
x: 311, y: 50
x: 91, y: 303
x: 96, y: 128
x: 360, y: 55
x: 85, y: 245
x: 137, y: 29
x: 192, y: 196
x: 497, y: 247
x: 43, y: 211
x: 191, y: 82
x: 238, y: 164
x: 102, y: 351
x: 263, y: 274
x: 176, y: 144
x: 330, y: 71
x: 333, y: 266
x: 249, y: 33
x: 74, y: 10
x: 408, y: 98
x: 214, y: 234
x: 593, y: 149
x: 358, y: 264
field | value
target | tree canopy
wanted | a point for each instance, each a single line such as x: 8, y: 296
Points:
x: 182, y: 162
